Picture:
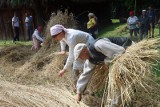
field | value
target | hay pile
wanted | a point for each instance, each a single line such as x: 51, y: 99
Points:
x: 64, y: 18
x: 12, y: 58
x: 15, y: 95
x: 99, y: 78
x: 132, y: 71
x: 38, y: 75
x: 32, y: 78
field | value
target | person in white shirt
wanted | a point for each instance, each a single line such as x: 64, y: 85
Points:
x: 15, y: 25
x: 29, y: 27
x: 70, y: 37
x: 132, y: 22
x: 103, y: 50
x: 37, y: 38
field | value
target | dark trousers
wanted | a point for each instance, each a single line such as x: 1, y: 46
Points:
x: 92, y: 31
x: 16, y: 34
x: 29, y: 32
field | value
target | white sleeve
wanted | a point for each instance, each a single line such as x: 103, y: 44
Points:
x: 108, y: 48
x: 128, y: 20
x: 38, y: 36
x: 70, y: 58
x: 84, y: 78
x: 12, y: 21
x: 136, y: 18
x: 63, y: 45
x: 27, y: 19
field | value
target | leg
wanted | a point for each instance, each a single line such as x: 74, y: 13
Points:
x: 145, y: 33
x: 16, y: 37
x: 14, y: 34
x: 75, y: 76
x: 153, y: 30
x: 18, y: 34
x: 149, y: 31
x: 135, y: 34
x: 131, y: 33
x: 28, y: 34
x: 141, y: 34
x: 77, y: 67
x: 159, y: 30
x: 35, y: 44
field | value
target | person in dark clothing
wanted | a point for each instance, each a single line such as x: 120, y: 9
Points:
x: 144, y: 24
x: 152, y: 18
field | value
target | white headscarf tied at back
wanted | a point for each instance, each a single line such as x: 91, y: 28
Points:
x: 56, y: 29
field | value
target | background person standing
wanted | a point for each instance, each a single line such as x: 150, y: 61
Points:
x: 15, y: 25
x: 144, y: 24
x: 152, y: 18
x: 132, y: 24
x: 29, y: 27
x: 92, y: 25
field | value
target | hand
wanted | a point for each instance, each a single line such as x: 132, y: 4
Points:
x: 60, y: 53
x: 61, y: 73
x: 78, y: 97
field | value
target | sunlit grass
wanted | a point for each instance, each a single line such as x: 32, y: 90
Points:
x: 4, y: 43
x: 120, y: 29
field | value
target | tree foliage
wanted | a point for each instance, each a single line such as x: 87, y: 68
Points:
x: 140, y: 3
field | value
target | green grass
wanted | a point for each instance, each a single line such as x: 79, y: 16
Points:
x: 157, y: 71
x: 10, y: 43
x: 119, y: 29
x: 115, y: 29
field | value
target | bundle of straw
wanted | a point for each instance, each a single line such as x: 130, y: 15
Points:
x: 15, y: 95
x: 64, y: 18
x: 98, y: 79
x: 130, y: 70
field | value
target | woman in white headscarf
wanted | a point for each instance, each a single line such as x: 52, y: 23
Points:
x: 70, y: 37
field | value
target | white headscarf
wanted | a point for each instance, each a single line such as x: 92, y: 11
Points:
x: 56, y: 29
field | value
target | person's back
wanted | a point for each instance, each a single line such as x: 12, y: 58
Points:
x: 77, y: 35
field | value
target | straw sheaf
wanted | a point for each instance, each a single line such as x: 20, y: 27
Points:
x: 64, y: 18
x: 15, y: 95
x: 97, y: 81
x: 132, y: 69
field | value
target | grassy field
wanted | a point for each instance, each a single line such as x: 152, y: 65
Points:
x: 10, y: 43
x: 119, y: 29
